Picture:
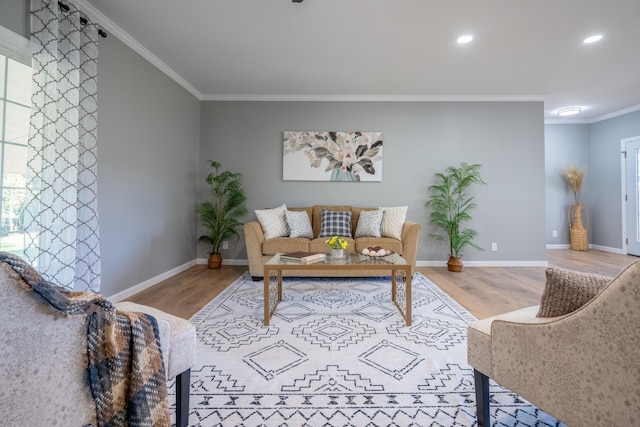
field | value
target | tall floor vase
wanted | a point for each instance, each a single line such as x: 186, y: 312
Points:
x: 578, y: 233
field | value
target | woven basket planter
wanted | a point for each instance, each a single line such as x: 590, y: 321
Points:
x: 215, y: 260
x: 455, y: 264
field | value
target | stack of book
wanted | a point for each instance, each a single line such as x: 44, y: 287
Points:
x: 302, y: 257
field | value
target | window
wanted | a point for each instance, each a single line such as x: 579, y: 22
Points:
x: 15, y: 101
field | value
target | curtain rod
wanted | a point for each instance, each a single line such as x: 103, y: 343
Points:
x: 83, y: 20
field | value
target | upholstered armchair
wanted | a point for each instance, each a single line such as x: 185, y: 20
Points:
x: 582, y: 368
x: 44, y: 377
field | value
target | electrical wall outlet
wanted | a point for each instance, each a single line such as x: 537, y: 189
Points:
x: 554, y: 233
x: 225, y: 244
x: 494, y: 247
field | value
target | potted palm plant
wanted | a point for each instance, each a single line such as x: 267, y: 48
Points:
x: 451, y: 207
x: 220, y: 216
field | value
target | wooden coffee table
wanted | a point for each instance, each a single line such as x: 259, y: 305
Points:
x: 396, y: 265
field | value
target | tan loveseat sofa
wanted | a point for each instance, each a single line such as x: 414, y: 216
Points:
x: 260, y: 250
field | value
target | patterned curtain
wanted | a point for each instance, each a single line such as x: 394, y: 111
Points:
x: 61, y: 214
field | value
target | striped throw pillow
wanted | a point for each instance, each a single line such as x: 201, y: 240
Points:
x: 393, y: 221
x: 273, y: 222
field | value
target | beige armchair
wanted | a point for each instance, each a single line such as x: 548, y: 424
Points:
x: 583, y: 368
x: 43, y: 359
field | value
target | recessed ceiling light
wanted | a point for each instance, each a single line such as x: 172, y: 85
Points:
x: 465, y: 39
x: 593, y: 39
x: 569, y: 111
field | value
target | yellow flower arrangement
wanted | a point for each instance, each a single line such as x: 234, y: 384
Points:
x: 337, y: 242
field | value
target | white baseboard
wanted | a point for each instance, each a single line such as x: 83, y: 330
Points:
x: 155, y: 280
x: 486, y: 263
x: 225, y: 261
x: 608, y: 249
x: 425, y: 263
x: 148, y: 283
x: 596, y: 247
x: 559, y: 246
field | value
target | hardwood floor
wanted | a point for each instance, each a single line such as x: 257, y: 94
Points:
x: 484, y: 291
x: 186, y: 293
x: 488, y: 291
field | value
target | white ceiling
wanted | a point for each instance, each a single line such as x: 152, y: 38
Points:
x: 391, y: 49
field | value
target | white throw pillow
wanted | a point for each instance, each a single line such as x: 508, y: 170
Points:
x: 273, y: 222
x: 393, y: 221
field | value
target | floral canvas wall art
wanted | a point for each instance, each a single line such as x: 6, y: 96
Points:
x: 332, y: 156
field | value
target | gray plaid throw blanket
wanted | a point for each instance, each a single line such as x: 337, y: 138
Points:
x: 126, y: 371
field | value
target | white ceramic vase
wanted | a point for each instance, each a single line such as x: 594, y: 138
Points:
x: 337, y: 253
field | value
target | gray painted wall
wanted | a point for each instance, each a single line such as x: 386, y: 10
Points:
x: 148, y: 139
x: 565, y: 145
x: 605, y: 179
x: 596, y: 146
x: 421, y: 138
x: 14, y: 15
x: 148, y: 133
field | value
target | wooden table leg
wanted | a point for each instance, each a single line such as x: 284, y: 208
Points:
x: 267, y: 301
x: 267, y: 294
x: 407, y: 287
x: 393, y: 285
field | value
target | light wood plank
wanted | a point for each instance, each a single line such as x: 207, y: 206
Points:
x: 484, y: 291
x: 186, y: 293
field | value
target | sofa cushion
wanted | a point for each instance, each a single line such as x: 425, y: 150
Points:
x: 335, y: 223
x: 285, y: 244
x: 273, y: 222
x: 299, y: 224
x: 178, y: 341
x: 567, y: 291
x: 393, y: 245
x: 320, y: 245
x: 369, y: 223
x: 393, y: 221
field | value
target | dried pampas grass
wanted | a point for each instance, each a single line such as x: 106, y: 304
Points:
x: 574, y: 177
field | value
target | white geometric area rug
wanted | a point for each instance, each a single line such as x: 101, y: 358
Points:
x: 337, y: 353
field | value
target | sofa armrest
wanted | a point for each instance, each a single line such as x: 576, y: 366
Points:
x: 410, y: 238
x: 561, y: 363
x: 43, y: 360
x: 479, y: 354
x: 254, y: 238
x: 542, y: 361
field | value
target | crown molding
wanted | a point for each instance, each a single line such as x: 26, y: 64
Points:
x: 567, y: 122
x: 373, y: 98
x: 594, y: 119
x: 618, y: 113
x: 123, y: 36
